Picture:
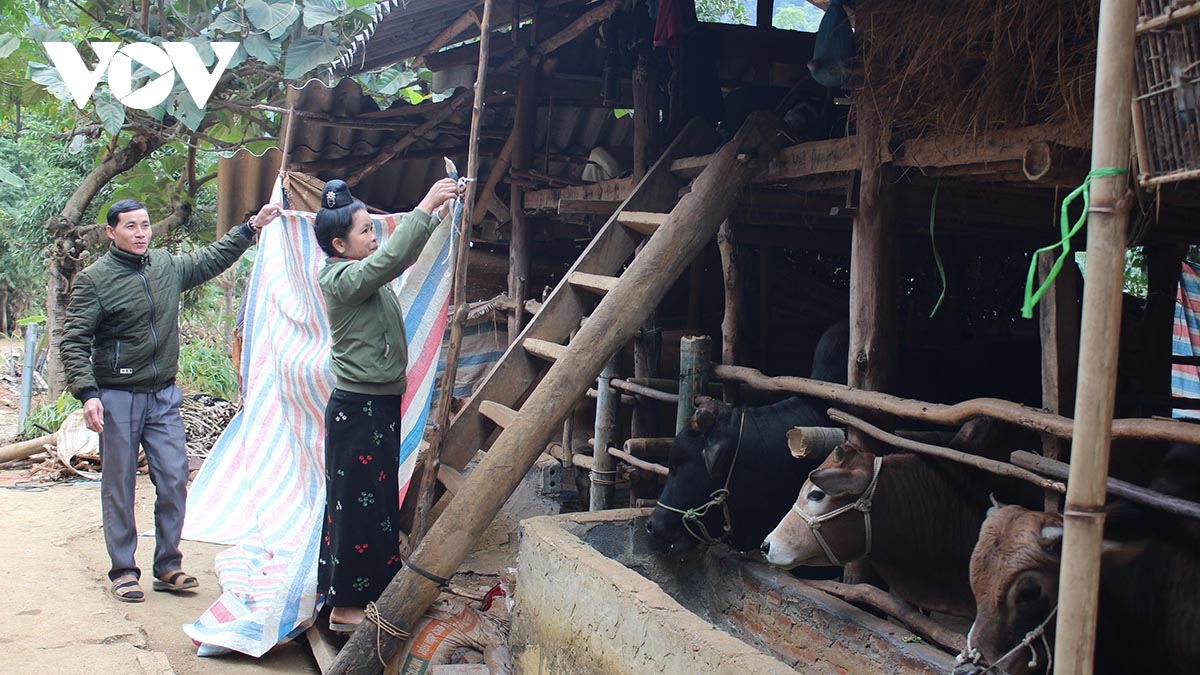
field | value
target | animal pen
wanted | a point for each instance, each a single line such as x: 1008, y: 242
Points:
x: 941, y: 167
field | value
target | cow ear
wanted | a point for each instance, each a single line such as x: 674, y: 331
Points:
x: 1120, y: 553
x: 716, y: 458
x: 840, y: 482
x: 1051, y: 541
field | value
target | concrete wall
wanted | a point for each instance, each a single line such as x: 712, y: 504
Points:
x: 587, y: 602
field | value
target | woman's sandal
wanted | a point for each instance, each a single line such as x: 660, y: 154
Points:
x: 127, y: 591
x: 176, y: 581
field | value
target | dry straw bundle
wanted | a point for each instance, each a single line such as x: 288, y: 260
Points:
x: 970, y: 66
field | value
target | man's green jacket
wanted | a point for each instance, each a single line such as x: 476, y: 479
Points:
x: 122, y: 327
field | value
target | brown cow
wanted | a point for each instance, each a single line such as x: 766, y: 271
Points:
x: 1149, y: 619
x: 915, y: 519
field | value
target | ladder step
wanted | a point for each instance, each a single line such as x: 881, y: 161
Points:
x: 644, y: 222
x: 550, y: 351
x: 597, y: 283
x: 690, y: 167
x: 498, y: 413
x: 451, y: 478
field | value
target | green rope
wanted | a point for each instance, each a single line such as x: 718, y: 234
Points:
x: 1068, y: 231
x: 937, y: 258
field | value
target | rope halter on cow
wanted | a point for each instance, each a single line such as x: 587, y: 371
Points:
x: 863, y: 504
x: 719, y: 497
x: 972, y: 655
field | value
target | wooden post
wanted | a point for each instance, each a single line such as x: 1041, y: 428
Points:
x: 522, y: 153
x: 694, y: 353
x: 604, y: 467
x: 695, y: 307
x: 872, y: 303
x: 732, y: 321
x: 1058, y: 323
x: 645, y: 117
x: 431, y: 460
x: 1083, y: 517
x: 764, y: 305
x: 1163, y: 263
x: 692, y: 224
x: 766, y: 10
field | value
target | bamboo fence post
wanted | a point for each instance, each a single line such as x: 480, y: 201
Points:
x: 604, y: 470
x: 694, y: 353
x: 432, y: 454
x: 1083, y: 517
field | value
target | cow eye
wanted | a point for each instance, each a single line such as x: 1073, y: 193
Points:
x: 1028, y: 593
x: 815, y: 495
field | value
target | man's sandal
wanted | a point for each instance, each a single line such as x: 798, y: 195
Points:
x: 127, y: 591
x: 176, y: 581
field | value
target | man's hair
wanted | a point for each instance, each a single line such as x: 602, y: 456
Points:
x: 123, y: 206
x: 334, y: 224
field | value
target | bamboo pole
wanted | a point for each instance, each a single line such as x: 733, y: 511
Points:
x: 1083, y: 517
x: 433, y: 453
x: 691, y: 224
x: 1120, y: 488
x: 955, y: 415
x: 694, y: 353
x: 15, y: 451
x: 603, y: 475
x: 732, y: 321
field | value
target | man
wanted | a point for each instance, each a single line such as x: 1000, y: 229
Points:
x: 120, y: 351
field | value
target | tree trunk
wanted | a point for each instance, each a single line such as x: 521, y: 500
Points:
x: 69, y: 252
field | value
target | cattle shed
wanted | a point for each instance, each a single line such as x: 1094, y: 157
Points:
x: 636, y: 184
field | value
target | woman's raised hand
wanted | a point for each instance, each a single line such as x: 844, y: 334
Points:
x: 439, y: 193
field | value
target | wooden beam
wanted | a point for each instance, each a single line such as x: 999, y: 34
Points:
x: 469, y: 18
x: 587, y: 207
x: 521, y: 239
x: 616, y: 189
x: 957, y: 414
x: 450, y: 477
x: 1058, y: 323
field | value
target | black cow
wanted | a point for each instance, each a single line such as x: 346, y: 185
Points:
x: 730, y: 472
x: 731, y: 475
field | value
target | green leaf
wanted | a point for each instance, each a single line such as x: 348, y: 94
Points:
x: 48, y: 77
x: 359, y: 3
x: 9, y: 178
x: 184, y: 109
x: 109, y: 110
x: 413, y: 95
x: 622, y: 112
x: 8, y: 44
x: 308, y: 53
x: 318, y: 12
x: 263, y: 48
x: 275, y: 18
x: 228, y: 22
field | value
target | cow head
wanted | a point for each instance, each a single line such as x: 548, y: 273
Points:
x: 828, y: 498
x: 1014, y: 577
x: 691, y: 507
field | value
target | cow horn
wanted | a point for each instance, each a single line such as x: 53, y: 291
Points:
x: 996, y: 503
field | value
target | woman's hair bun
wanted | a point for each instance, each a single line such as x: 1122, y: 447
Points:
x: 336, y: 194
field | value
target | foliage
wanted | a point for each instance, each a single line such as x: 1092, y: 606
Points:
x: 803, y: 17
x: 48, y: 418
x: 205, y: 368
x: 723, y: 11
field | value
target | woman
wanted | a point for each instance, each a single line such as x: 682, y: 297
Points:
x: 359, y: 548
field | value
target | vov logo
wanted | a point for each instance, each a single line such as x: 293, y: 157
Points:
x: 172, y: 58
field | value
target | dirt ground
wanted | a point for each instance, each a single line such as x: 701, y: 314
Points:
x: 58, y: 616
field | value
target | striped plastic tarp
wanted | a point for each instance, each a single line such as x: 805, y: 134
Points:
x: 1185, y: 379
x: 262, y: 488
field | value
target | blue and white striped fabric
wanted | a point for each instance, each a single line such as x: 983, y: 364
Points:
x: 262, y: 488
x: 1185, y: 379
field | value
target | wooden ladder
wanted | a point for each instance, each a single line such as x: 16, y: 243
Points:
x: 539, y: 378
x: 652, y: 213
